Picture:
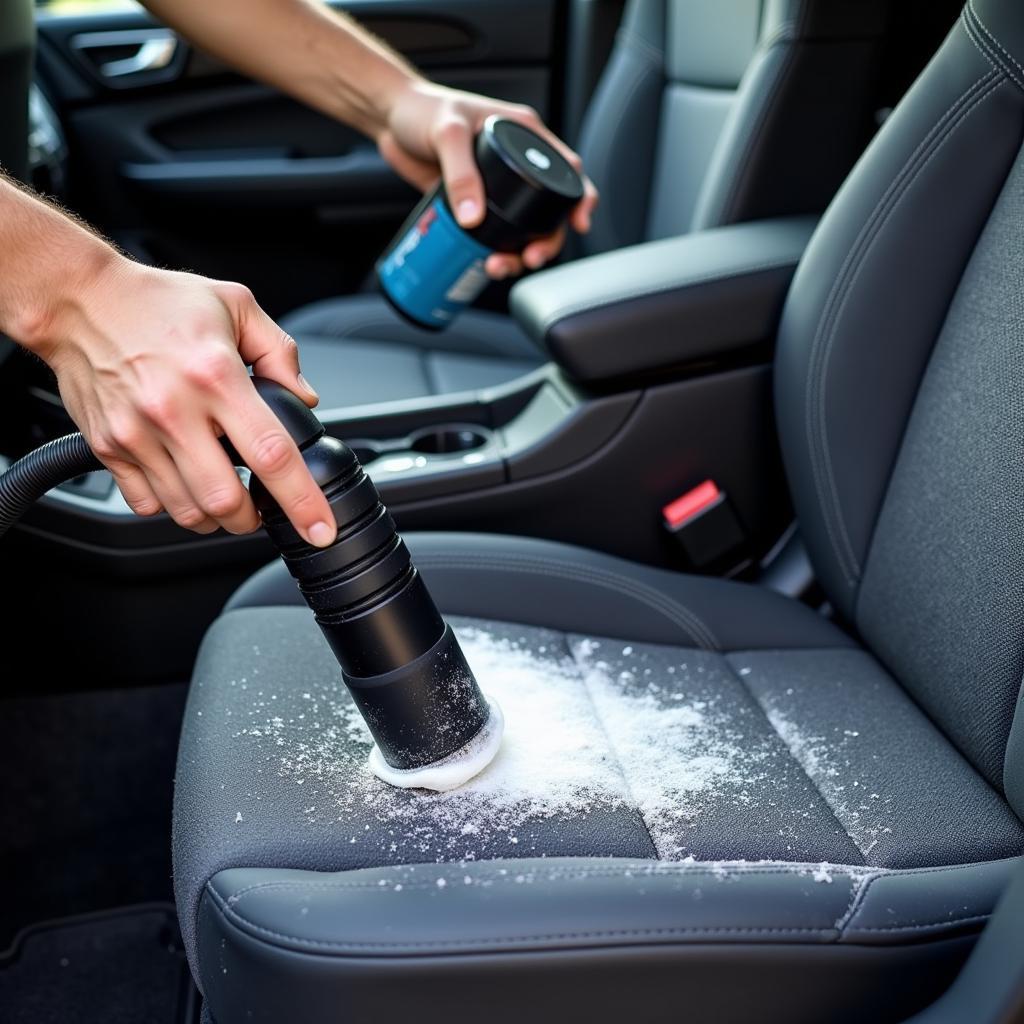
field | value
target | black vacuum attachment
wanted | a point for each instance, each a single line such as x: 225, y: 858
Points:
x: 400, y: 660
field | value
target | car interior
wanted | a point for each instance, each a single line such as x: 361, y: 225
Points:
x: 723, y: 506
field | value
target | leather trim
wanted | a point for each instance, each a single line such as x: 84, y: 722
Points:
x: 798, y: 102
x: 716, y: 983
x: 567, y: 903
x: 691, y: 298
x: 871, y: 294
x: 559, y: 586
x: 924, y: 903
x: 825, y: 336
x: 998, y: 30
x: 772, y: 65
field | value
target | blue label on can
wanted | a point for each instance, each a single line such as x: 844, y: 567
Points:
x: 436, y: 269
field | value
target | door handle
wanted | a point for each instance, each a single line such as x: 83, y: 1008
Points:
x: 154, y: 51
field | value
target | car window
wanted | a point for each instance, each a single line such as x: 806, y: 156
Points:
x: 84, y: 6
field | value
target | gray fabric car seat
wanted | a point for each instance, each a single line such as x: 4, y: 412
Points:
x: 708, y: 113
x: 777, y: 819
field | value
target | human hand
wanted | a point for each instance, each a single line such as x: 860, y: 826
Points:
x: 151, y: 366
x: 429, y: 132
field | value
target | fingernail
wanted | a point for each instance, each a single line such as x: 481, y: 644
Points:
x: 309, y: 387
x: 467, y: 211
x: 321, y: 535
x: 500, y: 272
x: 533, y: 260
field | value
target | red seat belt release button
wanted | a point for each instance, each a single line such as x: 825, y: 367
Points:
x: 679, y: 512
x: 703, y: 522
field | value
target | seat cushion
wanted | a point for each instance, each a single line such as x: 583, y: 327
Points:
x: 685, y: 762
x: 357, y: 350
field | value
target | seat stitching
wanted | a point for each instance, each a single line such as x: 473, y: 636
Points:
x: 862, y: 899
x: 612, y: 297
x: 928, y: 926
x: 859, y: 893
x: 753, y: 138
x: 673, y: 610
x: 973, y: 12
x: 611, y: 745
x: 822, y: 931
x: 425, y: 886
x: 827, y: 310
x: 649, y: 597
x: 849, y: 273
x: 649, y: 50
x: 602, y: 152
x: 661, y: 868
x: 792, y: 756
x: 826, y: 323
x: 499, y: 940
x: 821, y: 793
x: 981, y: 44
x: 644, y: 593
x: 855, y: 275
x: 933, y: 869
x: 785, y: 32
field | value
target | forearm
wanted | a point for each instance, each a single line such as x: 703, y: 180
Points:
x: 47, y: 262
x: 151, y: 365
x: 302, y: 47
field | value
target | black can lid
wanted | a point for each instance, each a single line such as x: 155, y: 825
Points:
x: 527, y: 182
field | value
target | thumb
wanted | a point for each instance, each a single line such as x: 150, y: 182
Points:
x: 453, y: 143
x: 270, y: 351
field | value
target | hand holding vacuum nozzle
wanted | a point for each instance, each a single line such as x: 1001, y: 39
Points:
x: 433, y: 727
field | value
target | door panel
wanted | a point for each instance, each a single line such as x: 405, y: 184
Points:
x: 15, y: 78
x: 188, y: 164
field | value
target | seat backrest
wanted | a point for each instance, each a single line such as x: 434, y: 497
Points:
x: 713, y: 112
x: 17, y: 33
x: 900, y: 392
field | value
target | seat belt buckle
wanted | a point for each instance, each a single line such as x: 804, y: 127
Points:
x: 704, y: 525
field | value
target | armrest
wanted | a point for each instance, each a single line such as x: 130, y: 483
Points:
x: 662, y: 304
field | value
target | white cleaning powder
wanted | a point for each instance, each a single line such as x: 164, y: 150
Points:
x: 571, y: 722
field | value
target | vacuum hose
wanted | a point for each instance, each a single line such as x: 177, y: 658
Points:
x: 400, y: 660
x: 30, y: 478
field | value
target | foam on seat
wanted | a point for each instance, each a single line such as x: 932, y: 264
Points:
x: 452, y: 771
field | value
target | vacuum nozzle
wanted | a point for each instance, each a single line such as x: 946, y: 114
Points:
x: 433, y: 727
x: 399, y: 658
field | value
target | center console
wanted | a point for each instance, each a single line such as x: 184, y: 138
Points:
x: 660, y: 379
x: 415, y: 452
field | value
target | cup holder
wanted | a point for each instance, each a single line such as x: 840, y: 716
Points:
x: 365, y: 451
x: 450, y: 440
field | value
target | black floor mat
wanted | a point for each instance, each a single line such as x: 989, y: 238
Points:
x: 85, y: 805
x: 117, y: 967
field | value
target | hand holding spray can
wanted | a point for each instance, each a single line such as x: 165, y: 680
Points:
x: 434, y: 268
